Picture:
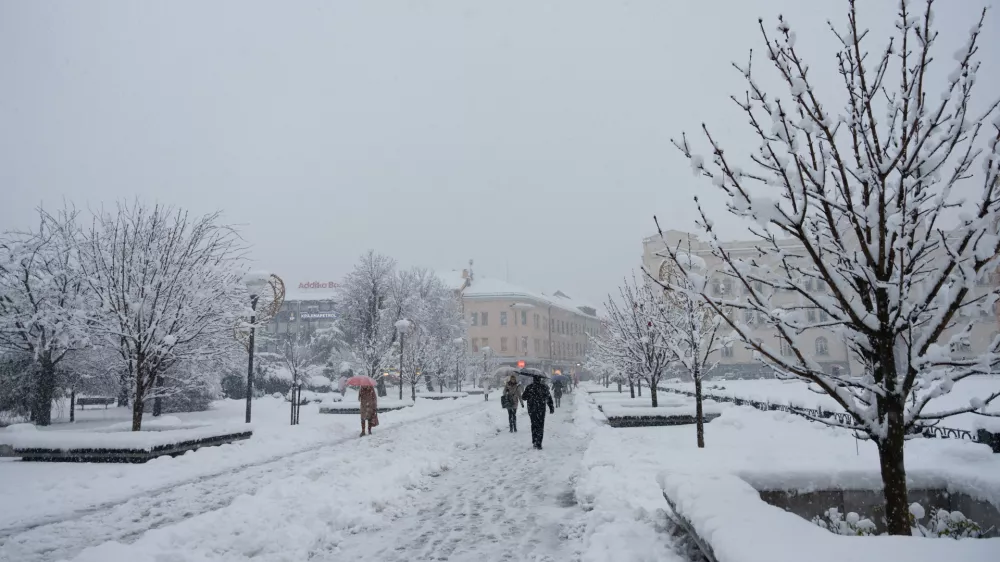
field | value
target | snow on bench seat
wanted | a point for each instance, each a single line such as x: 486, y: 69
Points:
x: 634, y: 416
x: 443, y: 395
x: 355, y: 408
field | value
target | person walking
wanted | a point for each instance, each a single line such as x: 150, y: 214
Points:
x: 511, y: 397
x: 368, y: 401
x: 537, y: 396
x: 557, y: 392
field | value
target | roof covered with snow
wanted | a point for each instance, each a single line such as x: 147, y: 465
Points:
x: 485, y: 287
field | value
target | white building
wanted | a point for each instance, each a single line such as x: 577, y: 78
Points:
x: 828, y: 349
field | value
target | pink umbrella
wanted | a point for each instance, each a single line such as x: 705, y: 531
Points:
x: 360, y: 380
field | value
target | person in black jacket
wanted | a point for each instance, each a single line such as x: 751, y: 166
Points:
x: 557, y: 390
x: 537, y: 396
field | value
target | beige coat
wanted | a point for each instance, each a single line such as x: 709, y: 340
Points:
x: 513, y: 390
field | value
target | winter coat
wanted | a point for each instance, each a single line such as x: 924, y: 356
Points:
x: 537, y: 396
x: 513, y: 392
x: 368, y: 400
x: 557, y: 388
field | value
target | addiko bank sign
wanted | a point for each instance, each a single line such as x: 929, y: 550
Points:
x: 319, y: 285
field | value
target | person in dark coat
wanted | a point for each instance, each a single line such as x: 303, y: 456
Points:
x: 557, y: 391
x: 537, y: 396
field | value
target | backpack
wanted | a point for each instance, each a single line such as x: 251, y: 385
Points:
x: 505, y: 401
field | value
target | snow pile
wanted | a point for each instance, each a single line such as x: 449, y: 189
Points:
x: 131, y: 440
x: 442, y: 394
x: 660, y: 411
x: 19, y: 428
x: 362, y: 488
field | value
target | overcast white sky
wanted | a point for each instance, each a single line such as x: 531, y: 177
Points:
x: 533, y: 133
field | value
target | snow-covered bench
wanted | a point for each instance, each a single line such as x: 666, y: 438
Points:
x: 116, y: 447
x: 83, y: 401
x: 443, y: 395
x: 355, y: 408
x: 634, y: 416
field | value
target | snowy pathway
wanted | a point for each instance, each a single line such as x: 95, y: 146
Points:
x: 501, y: 501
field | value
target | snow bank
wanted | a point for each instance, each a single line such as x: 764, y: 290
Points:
x: 442, y: 394
x: 728, y: 513
x: 132, y: 440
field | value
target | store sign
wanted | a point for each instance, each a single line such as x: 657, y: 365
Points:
x: 319, y: 285
x: 318, y: 315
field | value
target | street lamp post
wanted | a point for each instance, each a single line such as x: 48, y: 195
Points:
x: 486, y: 374
x: 255, y: 283
x: 402, y: 326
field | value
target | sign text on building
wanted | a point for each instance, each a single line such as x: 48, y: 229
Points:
x: 319, y: 285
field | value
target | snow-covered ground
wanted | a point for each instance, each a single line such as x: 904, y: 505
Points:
x: 62, y: 507
x: 773, y: 450
x: 796, y: 393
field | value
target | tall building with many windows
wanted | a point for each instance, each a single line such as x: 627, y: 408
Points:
x: 828, y: 348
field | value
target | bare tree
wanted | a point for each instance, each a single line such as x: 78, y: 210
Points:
x: 689, y: 324
x: 368, y: 313
x: 167, y: 288
x: 636, y: 344
x: 859, y: 207
x: 42, y: 302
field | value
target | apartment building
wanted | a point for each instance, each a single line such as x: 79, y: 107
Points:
x: 828, y: 349
x: 547, y: 332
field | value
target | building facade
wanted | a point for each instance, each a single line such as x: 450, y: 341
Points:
x: 308, y: 305
x: 828, y: 349
x: 547, y: 332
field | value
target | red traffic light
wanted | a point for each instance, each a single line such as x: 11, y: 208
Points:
x: 520, y: 364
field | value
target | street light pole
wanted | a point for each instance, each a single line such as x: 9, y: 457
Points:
x: 402, y: 336
x: 253, y: 319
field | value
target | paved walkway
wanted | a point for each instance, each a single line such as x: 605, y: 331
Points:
x: 502, y: 501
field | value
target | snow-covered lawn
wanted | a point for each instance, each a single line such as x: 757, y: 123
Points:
x: 796, y: 393
x: 36, y: 493
x: 619, y: 479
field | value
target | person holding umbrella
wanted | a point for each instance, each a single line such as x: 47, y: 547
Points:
x: 367, y: 401
x: 537, y: 396
x: 510, y: 398
x: 557, y: 390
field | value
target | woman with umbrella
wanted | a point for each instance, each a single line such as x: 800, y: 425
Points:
x: 367, y: 401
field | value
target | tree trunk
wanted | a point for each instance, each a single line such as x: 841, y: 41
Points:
x: 638, y: 383
x: 619, y: 387
x: 413, y: 391
x: 652, y: 393
x: 137, y: 405
x: 45, y: 389
x: 890, y: 454
x: 430, y: 383
x: 631, y: 388
x: 699, y: 413
x: 72, y: 405
x: 124, y: 386
x: 157, y: 403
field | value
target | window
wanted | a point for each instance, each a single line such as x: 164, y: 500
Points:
x: 809, y: 284
x: 836, y: 370
x: 486, y: 321
x: 823, y: 316
x: 475, y: 345
x: 536, y: 322
x: 749, y: 317
x: 811, y: 315
x: 486, y: 342
x: 726, y: 350
x: 524, y: 345
x: 475, y: 319
x: 786, y: 348
x: 822, y: 347
x: 503, y: 341
x: 503, y: 318
x: 524, y: 317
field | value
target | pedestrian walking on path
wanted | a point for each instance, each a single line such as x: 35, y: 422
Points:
x: 557, y: 392
x: 537, y: 396
x: 368, y: 401
x: 509, y: 400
